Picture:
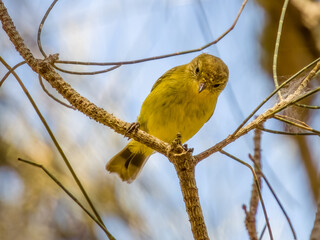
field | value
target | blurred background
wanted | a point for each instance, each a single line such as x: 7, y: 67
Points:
x: 32, y: 206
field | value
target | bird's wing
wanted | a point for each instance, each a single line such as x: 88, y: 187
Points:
x: 165, y: 75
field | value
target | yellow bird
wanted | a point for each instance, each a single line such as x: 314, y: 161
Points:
x: 181, y: 101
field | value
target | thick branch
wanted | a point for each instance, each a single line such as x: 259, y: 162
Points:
x: 43, y: 68
x: 250, y: 220
x: 185, y: 166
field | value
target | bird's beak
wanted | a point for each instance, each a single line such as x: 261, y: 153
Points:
x: 202, y: 86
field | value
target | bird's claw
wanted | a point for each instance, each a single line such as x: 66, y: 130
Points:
x: 185, y: 147
x: 132, y: 128
x: 177, y: 140
x: 177, y: 144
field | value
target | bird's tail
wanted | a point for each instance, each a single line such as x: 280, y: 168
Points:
x: 129, y: 162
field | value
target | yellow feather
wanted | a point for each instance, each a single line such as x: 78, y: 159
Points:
x: 181, y: 101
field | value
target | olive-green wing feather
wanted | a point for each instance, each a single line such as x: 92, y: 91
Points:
x: 165, y: 75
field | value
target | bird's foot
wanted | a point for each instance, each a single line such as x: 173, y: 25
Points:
x: 132, y: 128
x: 178, y: 145
x: 185, y: 147
x: 180, y: 155
x: 177, y: 141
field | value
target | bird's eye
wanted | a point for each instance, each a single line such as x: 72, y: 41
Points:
x: 197, y: 70
x: 216, y: 85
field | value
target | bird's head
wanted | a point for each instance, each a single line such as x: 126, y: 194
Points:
x: 210, y: 72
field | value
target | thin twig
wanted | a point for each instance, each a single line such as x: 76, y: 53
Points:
x: 257, y: 186
x: 53, y: 97
x: 263, y: 231
x: 45, y: 55
x: 303, y: 126
x: 286, y: 133
x: 298, y: 99
x: 54, y: 141
x: 10, y: 71
x: 307, y: 94
x: 70, y: 195
x: 307, y: 79
x: 292, y: 119
x: 280, y: 205
x: 307, y: 106
x: 41, y: 26
x: 257, y: 167
x: 150, y: 58
x: 276, y: 48
x: 86, y: 73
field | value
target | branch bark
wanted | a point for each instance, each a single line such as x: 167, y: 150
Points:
x: 250, y: 220
x: 43, y: 68
x: 184, y: 164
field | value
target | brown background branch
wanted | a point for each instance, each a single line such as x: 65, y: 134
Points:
x: 250, y: 220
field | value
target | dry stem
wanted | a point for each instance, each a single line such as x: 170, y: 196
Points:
x: 250, y: 220
x: 290, y: 99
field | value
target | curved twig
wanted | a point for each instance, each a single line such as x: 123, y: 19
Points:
x: 299, y: 125
x: 55, y: 141
x: 257, y: 185
x: 276, y: 48
x: 286, y: 133
x: 143, y: 59
x: 70, y: 195
x: 41, y: 26
x: 11, y: 70
x: 86, y: 73
x: 307, y: 106
x: 53, y: 97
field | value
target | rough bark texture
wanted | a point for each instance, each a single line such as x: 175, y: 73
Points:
x: 250, y: 220
x: 185, y: 166
x: 44, y: 68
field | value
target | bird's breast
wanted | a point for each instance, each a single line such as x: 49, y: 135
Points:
x: 170, y: 110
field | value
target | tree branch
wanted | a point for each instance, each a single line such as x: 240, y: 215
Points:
x: 184, y: 164
x: 43, y: 68
x: 250, y: 220
x: 290, y: 99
